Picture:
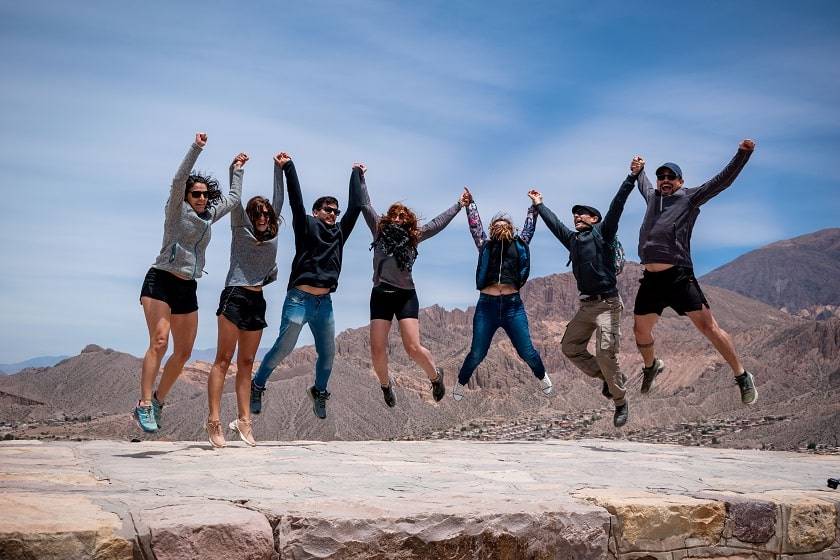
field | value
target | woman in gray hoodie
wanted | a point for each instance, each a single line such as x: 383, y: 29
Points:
x: 168, y: 294
x: 241, y: 313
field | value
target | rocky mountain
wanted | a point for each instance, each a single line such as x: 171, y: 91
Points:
x: 38, y: 361
x: 798, y: 275
x: 796, y: 361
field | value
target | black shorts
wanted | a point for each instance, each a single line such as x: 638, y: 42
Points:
x: 675, y: 287
x: 387, y: 301
x: 165, y: 286
x: 243, y: 307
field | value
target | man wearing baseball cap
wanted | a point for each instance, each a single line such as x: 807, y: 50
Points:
x: 592, y: 254
x: 668, y: 280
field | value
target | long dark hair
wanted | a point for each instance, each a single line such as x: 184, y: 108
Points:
x: 213, y: 192
x: 261, y: 204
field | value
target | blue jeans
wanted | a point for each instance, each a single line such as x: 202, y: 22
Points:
x: 298, y: 309
x: 506, y: 312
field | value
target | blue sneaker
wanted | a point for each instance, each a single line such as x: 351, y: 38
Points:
x: 157, y: 408
x: 145, y: 418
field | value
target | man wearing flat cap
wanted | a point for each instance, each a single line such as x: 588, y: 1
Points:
x: 668, y: 280
x: 592, y: 252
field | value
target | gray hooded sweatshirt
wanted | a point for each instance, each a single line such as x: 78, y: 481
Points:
x: 253, y: 262
x: 665, y: 235
x: 185, y: 233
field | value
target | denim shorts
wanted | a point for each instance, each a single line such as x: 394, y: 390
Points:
x: 178, y: 293
x: 243, y: 307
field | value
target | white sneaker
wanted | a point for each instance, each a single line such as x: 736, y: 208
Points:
x: 457, y: 391
x: 547, y: 385
x: 243, y: 428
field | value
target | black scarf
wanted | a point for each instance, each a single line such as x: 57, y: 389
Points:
x: 394, y: 241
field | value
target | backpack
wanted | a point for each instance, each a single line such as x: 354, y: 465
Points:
x: 616, y: 250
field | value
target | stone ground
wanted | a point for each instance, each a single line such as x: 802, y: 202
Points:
x: 414, y: 500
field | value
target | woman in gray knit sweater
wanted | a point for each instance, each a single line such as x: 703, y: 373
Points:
x: 168, y: 293
x: 395, y: 239
x: 241, y: 313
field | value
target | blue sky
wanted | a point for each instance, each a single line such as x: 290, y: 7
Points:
x: 100, y: 100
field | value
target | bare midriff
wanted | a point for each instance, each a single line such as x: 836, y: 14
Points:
x: 657, y: 267
x: 499, y: 290
x: 253, y: 288
x: 314, y: 290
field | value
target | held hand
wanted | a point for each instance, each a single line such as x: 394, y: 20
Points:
x: 747, y: 145
x: 636, y: 165
x: 360, y: 166
x: 535, y: 196
x: 466, y: 197
x: 200, y: 139
x: 240, y: 160
x: 281, y: 159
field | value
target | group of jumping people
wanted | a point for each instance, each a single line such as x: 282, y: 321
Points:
x: 195, y: 203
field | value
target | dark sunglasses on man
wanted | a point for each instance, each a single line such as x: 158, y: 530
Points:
x: 666, y: 177
x: 331, y: 210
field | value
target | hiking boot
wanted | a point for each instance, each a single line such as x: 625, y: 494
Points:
x: 145, y: 418
x: 605, y: 390
x: 256, y: 398
x: 319, y: 401
x: 650, y: 374
x: 157, y: 409
x: 243, y: 427
x: 620, y: 416
x: 438, y: 389
x: 390, y: 397
x: 746, y: 382
x: 458, y: 391
x: 214, y: 433
x: 547, y: 385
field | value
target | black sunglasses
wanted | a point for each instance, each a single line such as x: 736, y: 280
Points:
x: 199, y: 194
x: 262, y: 214
x: 330, y: 210
x: 665, y: 177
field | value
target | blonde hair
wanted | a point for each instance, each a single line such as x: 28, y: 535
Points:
x: 501, y: 229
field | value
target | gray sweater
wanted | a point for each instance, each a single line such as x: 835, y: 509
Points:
x: 253, y: 262
x: 185, y: 233
x: 385, y: 268
x: 665, y: 235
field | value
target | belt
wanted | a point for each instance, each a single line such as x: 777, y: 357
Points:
x: 598, y: 297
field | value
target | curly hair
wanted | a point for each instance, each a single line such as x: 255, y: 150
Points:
x: 213, y: 192
x: 501, y: 228
x: 253, y: 209
x: 409, y: 223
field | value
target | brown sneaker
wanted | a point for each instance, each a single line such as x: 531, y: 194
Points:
x: 243, y: 427
x: 214, y: 433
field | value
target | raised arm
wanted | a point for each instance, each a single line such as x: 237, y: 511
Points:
x: 553, y: 224
x: 237, y: 213
x: 295, y: 196
x: 278, y: 196
x: 179, y: 181
x: 368, y: 212
x: 435, y: 226
x: 637, y: 166
x: 354, y: 202
x: 474, y: 222
x: 530, y: 225
x: 609, y: 227
x: 726, y: 177
x: 234, y: 196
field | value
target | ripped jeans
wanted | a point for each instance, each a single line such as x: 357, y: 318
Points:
x: 603, y: 317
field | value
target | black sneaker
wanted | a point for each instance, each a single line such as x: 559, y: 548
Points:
x: 390, y: 397
x: 746, y: 382
x: 605, y: 390
x: 438, y: 390
x: 319, y: 401
x: 620, y: 416
x: 651, y: 373
x: 256, y: 398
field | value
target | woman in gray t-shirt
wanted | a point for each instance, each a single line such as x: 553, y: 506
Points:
x: 395, y: 238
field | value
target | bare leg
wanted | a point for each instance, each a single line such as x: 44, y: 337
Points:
x: 379, y: 329
x: 249, y: 341
x: 225, y: 346
x: 706, y: 324
x: 184, y: 329
x: 410, y: 333
x: 643, y: 329
x: 157, y: 320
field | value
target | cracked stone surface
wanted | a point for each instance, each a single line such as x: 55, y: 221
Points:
x: 411, y: 500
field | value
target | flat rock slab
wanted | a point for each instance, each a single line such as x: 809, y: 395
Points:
x: 436, y: 499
